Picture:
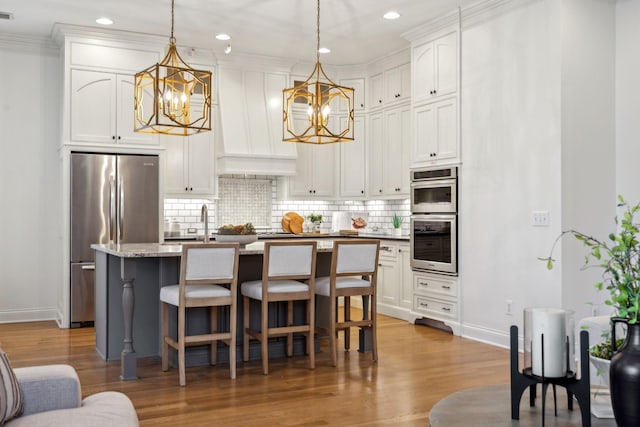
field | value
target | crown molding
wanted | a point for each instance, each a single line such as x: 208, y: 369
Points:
x: 482, y: 11
x: 25, y: 43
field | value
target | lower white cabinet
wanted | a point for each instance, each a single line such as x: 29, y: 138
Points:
x: 395, y: 286
x: 436, y: 296
x: 190, y: 166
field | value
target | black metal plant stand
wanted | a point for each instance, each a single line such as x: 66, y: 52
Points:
x: 580, y: 388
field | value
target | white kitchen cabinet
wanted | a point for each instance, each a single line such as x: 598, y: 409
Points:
x: 435, y: 67
x: 397, y: 83
x: 435, y: 135
x: 359, y: 96
x: 376, y: 90
x: 390, y: 143
x: 395, y: 284
x: 315, y: 170
x: 404, y: 262
x: 353, y: 162
x: 190, y: 166
x: 435, y: 296
x: 102, y: 109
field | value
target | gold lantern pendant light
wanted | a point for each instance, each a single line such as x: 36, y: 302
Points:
x: 171, y: 97
x: 315, y: 123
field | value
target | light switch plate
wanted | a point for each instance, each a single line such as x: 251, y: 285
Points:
x: 541, y: 218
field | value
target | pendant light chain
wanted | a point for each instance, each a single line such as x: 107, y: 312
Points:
x: 172, y: 39
x: 318, y: 32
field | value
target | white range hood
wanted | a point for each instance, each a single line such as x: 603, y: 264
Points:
x: 249, y: 131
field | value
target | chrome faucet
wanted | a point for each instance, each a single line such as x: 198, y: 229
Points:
x: 204, y: 217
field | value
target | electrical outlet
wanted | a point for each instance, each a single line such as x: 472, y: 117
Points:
x: 540, y: 218
x: 509, y: 307
x: 192, y: 230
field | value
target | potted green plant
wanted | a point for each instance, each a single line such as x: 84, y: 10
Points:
x: 316, y: 220
x: 397, y: 223
x: 619, y: 259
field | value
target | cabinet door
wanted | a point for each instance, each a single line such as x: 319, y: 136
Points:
x: 375, y: 144
x: 435, y: 132
x: 376, y: 83
x: 446, y: 129
x: 388, y: 276
x: 322, y: 165
x: 93, y: 106
x: 201, y: 164
x: 300, y: 184
x: 358, y: 93
x: 406, y: 292
x: 423, y: 72
x: 446, y: 60
x: 352, y: 162
x: 396, y: 147
x: 125, y: 113
x: 397, y: 83
x: 176, y: 179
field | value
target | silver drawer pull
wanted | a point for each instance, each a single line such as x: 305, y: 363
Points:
x: 423, y: 283
x: 446, y: 287
x: 424, y: 305
x: 446, y: 308
x: 88, y: 267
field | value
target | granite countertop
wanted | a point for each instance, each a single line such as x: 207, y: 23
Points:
x: 280, y: 235
x: 174, y: 249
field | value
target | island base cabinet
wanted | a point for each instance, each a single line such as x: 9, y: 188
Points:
x: 154, y: 272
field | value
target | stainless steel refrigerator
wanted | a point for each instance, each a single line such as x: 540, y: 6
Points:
x: 114, y: 198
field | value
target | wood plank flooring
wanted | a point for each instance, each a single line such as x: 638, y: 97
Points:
x: 417, y: 367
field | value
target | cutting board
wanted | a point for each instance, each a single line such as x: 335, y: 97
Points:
x: 292, y: 223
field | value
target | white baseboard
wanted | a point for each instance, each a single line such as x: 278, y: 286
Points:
x: 487, y: 336
x: 33, y: 315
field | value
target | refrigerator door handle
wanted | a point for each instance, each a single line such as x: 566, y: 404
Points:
x: 112, y: 208
x: 121, y: 209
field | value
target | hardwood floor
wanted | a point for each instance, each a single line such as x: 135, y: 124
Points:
x: 417, y: 367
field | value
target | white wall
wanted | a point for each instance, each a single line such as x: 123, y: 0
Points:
x: 627, y: 96
x: 511, y: 166
x: 588, y: 143
x: 30, y: 249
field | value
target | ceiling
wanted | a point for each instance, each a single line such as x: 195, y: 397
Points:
x: 354, y: 30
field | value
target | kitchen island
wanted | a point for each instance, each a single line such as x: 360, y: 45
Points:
x: 128, y: 281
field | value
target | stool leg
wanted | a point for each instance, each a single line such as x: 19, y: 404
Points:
x: 165, y: 333
x: 264, y: 335
x: 181, y: 334
x: 290, y: 323
x: 347, y: 318
x: 233, y: 325
x: 245, y: 324
x: 213, y: 320
x: 333, y: 348
x: 310, y: 337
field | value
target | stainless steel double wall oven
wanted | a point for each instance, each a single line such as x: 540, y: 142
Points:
x: 434, y: 220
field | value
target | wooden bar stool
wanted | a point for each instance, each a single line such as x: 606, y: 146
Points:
x: 354, y: 272
x: 286, y: 267
x: 205, y: 269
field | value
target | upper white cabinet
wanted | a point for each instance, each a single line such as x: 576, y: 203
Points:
x: 359, y: 101
x: 376, y: 90
x: 315, y: 177
x: 353, y: 162
x: 397, y: 83
x: 435, y: 67
x: 436, y: 132
x: 250, y: 137
x: 190, y: 166
x: 389, y: 147
x: 102, y: 109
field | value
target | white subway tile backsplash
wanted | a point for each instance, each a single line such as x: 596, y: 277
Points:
x: 243, y: 199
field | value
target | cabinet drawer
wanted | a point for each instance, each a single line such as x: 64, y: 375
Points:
x: 388, y: 251
x: 434, y: 307
x: 427, y: 285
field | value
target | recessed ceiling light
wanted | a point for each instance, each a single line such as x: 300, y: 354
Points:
x: 324, y: 50
x: 223, y: 36
x: 104, y: 21
x: 392, y: 14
